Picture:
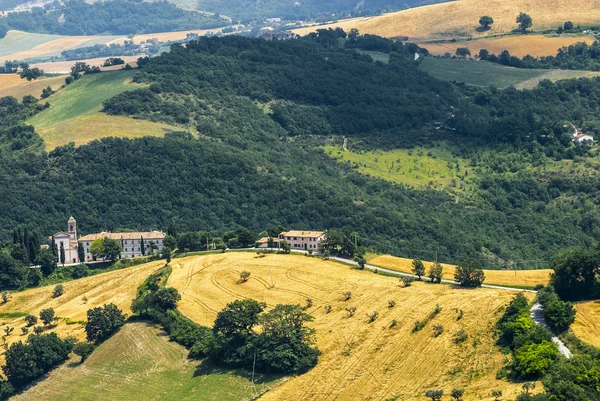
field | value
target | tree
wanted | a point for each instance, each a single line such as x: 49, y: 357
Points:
x: 244, y: 276
x: 106, y: 248
x: 47, y: 261
x: 483, y: 54
x: 285, y: 343
x: 142, y: 246
x: 533, y: 360
x: 47, y: 316
x: 103, y: 322
x: 47, y: 92
x: 62, y: 254
x: 486, y: 22
x: 167, y: 254
x: 5, y: 296
x: 568, y: 26
x: 524, y: 20
x: 436, y: 272
x: 31, y: 320
x: 58, y: 291
x: 84, y: 350
x: 457, y: 394
x: 418, y: 268
x: 13, y: 274
x: 361, y: 261
x: 575, y: 274
x: 285, y: 246
x: 31, y: 74
x: 470, y: 274
x: 528, y: 386
x: 80, y: 271
x: 463, y: 52
x: 347, y: 295
x: 497, y: 394
x: 435, y: 395
x: 80, y: 252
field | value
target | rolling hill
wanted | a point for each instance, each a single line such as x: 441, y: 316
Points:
x: 459, y: 19
x: 359, y: 361
x: 74, y: 114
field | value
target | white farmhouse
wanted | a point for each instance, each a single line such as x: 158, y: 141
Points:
x: 581, y: 137
x: 130, y: 242
x: 307, y: 240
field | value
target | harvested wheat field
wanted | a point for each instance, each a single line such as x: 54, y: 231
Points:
x: 166, y: 36
x: 56, y: 46
x: 518, y: 278
x: 534, y: 45
x: 64, y: 67
x: 359, y: 361
x: 587, y: 322
x: 34, y: 88
x: 460, y: 19
x: 118, y: 287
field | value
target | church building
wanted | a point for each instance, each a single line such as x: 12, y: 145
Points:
x: 68, y: 241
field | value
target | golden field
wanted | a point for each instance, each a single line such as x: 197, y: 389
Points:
x: 587, y: 322
x: 534, y: 45
x: 519, y: 278
x: 118, y: 287
x: 359, y: 361
x: 459, y: 19
x: 22, y: 87
x: 64, y: 67
x: 55, y: 46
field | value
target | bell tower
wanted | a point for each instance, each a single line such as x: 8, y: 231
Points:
x: 72, y: 229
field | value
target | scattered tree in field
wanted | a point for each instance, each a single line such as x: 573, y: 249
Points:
x: 391, y: 304
x: 347, y: 295
x: 244, y: 276
x: 407, y: 280
x: 435, y: 395
x: 38, y: 329
x: 483, y: 54
x: 285, y: 246
x: 568, y: 26
x: 497, y: 394
x: 25, y: 330
x: 84, y: 350
x: 84, y: 299
x: 373, y: 316
x: 463, y: 52
x: 309, y: 302
x: 436, y: 271
x: 486, y: 22
x: 167, y: 254
x: 8, y: 330
x: 438, y: 329
x: 419, y: 324
x: 393, y: 323
x: 351, y: 310
x: 457, y: 394
x: 361, y: 261
x: 46, y: 92
x: 460, y: 337
x: 5, y: 297
x: 47, y: 316
x: 31, y: 74
x: 470, y: 274
x: 58, y: 291
x: 528, y: 386
x: 328, y: 308
x: 525, y: 21
x: 102, y: 322
x: 418, y: 268
x: 460, y: 314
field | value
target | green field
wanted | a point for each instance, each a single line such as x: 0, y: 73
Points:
x: 483, y: 73
x: 140, y: 363
x: 418, y: 167
x: 17, y: 41
x: 74, y: 114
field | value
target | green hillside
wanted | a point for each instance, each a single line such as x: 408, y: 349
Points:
x: 140, y: 363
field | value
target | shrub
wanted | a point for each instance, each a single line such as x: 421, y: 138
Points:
x: 347, y: 295
x: 80, y: 271
x: 244, y: 276
x: 25, y: 330
x: 351, y: 311
x: 102, y: 322
x: 393, y: 323
x: 407, y: 280
x: 58, y: 291
x: 309, y: 302
x: 460, y: 337
x: 438, y: 329
x: 418, y: 268
x: 419, y: 324
x: 84, y: 350
x: 373, y: 316
x: 470, y: 274
x: 328, y: 308
x: 436, y: 311
x: 460, y: 315
x: 391, y: 304
x: 457, y: 394
x: 47, y: 316
x: 5, y: 296
x: 533, y: 360
x: 435, y: 395
x: 497, y: 394
x: 38, y: 329
x: 436, y: 272
x: 326, y: 254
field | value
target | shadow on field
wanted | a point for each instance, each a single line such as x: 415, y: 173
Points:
x: 207, y: 367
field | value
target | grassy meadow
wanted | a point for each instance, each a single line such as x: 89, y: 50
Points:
x: 74, y: 113
x: 140, y: 363
x: 419, y: 167
x: 360, y: 360
x: 483, y: 73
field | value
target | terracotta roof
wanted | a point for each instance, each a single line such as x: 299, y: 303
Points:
x: 125, y: 236
x: 305, y: 234
x: 264, y: 240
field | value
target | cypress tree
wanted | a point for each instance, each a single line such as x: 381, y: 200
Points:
x: 62, y: 254
x: 80, y: 252
x: 143, y: 246
x: 16, y: 236
x: 25, y: 246
x: 53, y: 247
x: 33, y: 246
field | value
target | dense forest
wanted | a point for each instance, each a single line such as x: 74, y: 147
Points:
x: 248, y: 10
x: 117, y: 17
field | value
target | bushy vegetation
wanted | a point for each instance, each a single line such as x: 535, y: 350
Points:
x: 103, y: 322
x: 117, y: 17
x: 559, y: 315
x: 577, y: 274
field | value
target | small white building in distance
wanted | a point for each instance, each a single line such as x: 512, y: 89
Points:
x: 130, y: 242
x: 68, y: 241
x: 581, y: 137
x: 307, y: 240
x: 264, y: 242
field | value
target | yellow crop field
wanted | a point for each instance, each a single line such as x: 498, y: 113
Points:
x: 534, y: 45
x: 118, y: 287
x: 459, y: 19
x: 164, y: 36
x: 360, y: 360
x: 587, y: 322
x: 64, y: 67
x: 34, y: 88
x: 56, y: 46
x: 84, y: 129
x: 9, y: 80
x: 520, y: 278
